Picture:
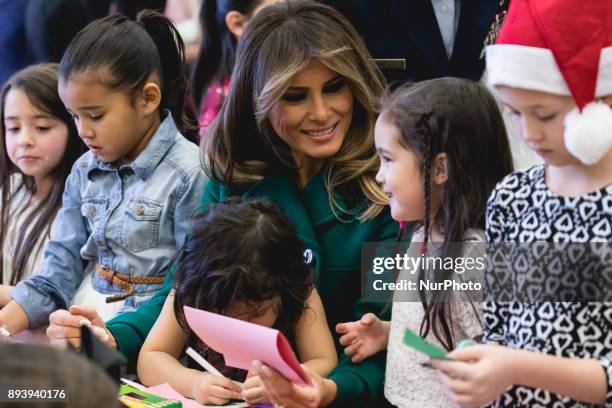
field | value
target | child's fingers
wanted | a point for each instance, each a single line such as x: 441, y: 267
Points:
x: 226, y: 383
x: 455, y: 385
x: 88, y: 313
x: 358, y: 357
x: 459, y: 386
x: 252, y: 382
x: 352, y: 349
x: 254, y: 395
x: 368, y: 318
x: 471, y: 353
x: 225, y: 393
x: 63, y: 332
x: 100, y: 333
x: 65, y: 318
x: 347, y: 339
x: 342, y: 328
x: 217, y: 401
x: 454, y: 369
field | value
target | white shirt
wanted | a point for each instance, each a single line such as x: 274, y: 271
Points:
x: 19, y: 212
x: 447, y: 14
x: 407, y: 383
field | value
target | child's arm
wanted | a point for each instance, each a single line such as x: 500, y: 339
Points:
x: 315, y: 347
x: 482, y: 373
x: 314, y: 342
x: 5, y: 294
x: 13, y: 318
x: 158, y: 363
x: 365, y: 337
x: 61, y: 271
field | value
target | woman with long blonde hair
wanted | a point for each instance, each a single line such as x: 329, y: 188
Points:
x: 296, y: 128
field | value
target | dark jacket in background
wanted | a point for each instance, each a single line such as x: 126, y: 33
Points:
x: 13, y: 49
x: 409, y: 30
x: 52, y: 24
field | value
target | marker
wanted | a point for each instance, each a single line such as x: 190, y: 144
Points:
x: 98, y: 331
x: 134, y: 384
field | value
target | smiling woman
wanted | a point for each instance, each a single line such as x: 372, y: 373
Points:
x: 313, y: 117
x: 297, y: 128
x: 313, y: 101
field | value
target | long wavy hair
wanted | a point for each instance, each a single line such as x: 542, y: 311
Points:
x: 460, y: 118
x: 39, y: 83
x: 278, y: 43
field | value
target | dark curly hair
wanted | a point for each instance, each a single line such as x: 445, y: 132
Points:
x: 245, y: 251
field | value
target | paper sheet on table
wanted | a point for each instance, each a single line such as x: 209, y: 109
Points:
x: 242, y: 342
x: 166, y: 391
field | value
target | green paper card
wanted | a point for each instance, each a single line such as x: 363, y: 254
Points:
x: 415, y: 341
x: 135, y: 398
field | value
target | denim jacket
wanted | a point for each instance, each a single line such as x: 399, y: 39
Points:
x: 132, y: 219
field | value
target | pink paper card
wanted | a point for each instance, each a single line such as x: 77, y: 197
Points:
x: 242, y: 342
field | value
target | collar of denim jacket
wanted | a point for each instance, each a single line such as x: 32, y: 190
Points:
x: 146, y: 162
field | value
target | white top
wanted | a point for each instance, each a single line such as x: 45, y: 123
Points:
x: 408, y: 384
x: 447, y: 14
x: 19, y: 212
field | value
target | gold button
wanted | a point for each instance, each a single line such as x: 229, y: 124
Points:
x: 140, y: 210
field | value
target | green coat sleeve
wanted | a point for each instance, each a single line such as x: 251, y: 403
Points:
x: 131, y: 329
x: 362, y: 385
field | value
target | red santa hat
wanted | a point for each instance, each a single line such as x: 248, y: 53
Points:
x: 562, y: 47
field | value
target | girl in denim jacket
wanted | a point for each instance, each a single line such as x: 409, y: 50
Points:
x: 128, y: 202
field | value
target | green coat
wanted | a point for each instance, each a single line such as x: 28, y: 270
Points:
x: 336, y: 247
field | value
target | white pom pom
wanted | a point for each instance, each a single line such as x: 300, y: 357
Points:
x: 588, y: 134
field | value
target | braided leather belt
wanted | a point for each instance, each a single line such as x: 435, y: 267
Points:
x: 125, y: 282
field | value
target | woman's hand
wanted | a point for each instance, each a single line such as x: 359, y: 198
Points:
x: 479, y: 374
x: 363, y: 338
x: 211, y: 389
x: 254, y: 391
x: 284, y: 393
x: 65, y: 325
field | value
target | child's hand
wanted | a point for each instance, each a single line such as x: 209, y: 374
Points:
x: 363, y: 338
x: 66, y: 325
x: 479, y: 375
x: 211, y: 389
x: 254, y: 390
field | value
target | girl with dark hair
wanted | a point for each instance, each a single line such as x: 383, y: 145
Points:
x: 128, y: 202
x: 222, y: 22
x: 450, y: 136
x: 38, y: 147
x: 243, y: 260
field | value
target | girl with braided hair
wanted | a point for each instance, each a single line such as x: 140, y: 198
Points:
x: 443, y: 147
